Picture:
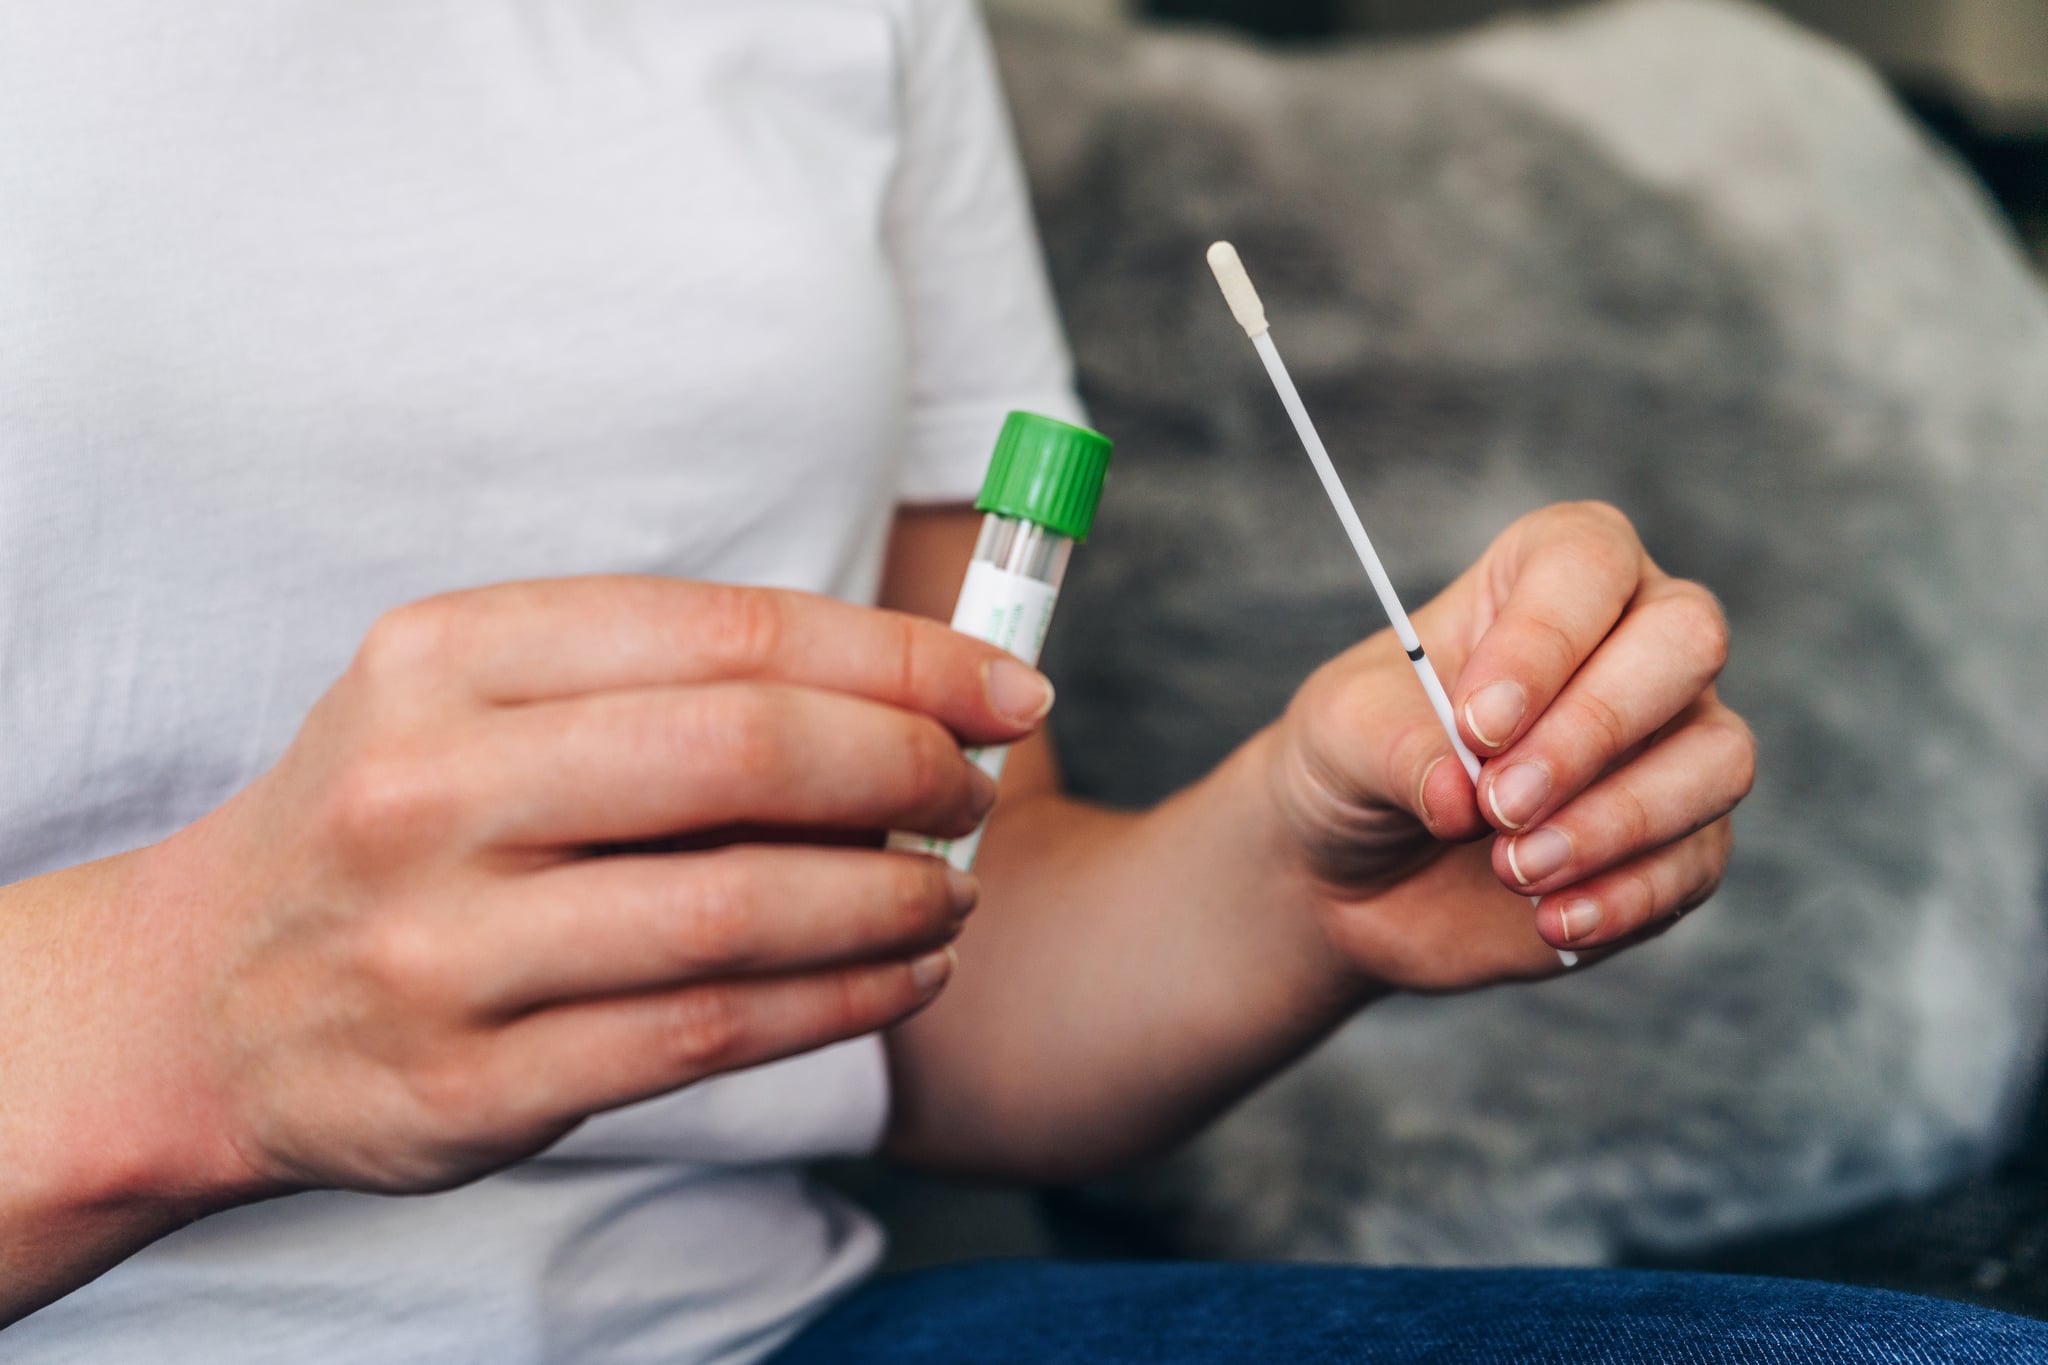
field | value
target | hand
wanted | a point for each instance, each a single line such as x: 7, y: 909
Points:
x: 453, y: 921
x: 1582, y: 675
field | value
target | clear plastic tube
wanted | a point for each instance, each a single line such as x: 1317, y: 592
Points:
x: 1026, y: 548
x: 1012, y: 585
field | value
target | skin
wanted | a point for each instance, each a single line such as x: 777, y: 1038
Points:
x: 551, y: 848
x: 1118, y: 993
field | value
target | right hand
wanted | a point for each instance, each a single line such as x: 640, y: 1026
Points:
x: 413, y: 951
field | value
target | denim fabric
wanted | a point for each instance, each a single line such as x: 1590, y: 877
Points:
x: 1109, y: 1313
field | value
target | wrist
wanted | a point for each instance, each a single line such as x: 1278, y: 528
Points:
x: 75, y: 1207
x: 1295, y: 893
x: 109, y: 1147
x: 196, y: 1152
x: 134, y: 1114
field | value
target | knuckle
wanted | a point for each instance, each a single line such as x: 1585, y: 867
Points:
x: 849, y: 1009
x: 1644, y: 888
x: 919, y: 896
x: 1412, y: 743
x: 1632, y: 818
x: 1412, y: 746
x: 1554, y: 641
x: 737, y: 729
x: 1706, y: 878
x: 408, y: 962
x: 1737, y: 752
x: 1412, y: 757
x: 933, y: 764
x: 1612, y: 552
x: 453, y: 1095
x: 744, y: 627
x: 867, y: 998
x: 1745, y: 763
x: 906, y: 653
x: 1610, y: 727
x: 1608, y: 517
x: 409, y: 643
x: 1702, y: 625
x: 387, y: 802
x: 702, y: 1031
x: 719, y: 928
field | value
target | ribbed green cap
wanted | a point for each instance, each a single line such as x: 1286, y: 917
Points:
x: 1048, y: 472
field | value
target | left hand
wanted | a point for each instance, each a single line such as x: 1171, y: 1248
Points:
x: 1582, y: 675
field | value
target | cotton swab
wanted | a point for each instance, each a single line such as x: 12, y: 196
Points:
x: 1251, y: 315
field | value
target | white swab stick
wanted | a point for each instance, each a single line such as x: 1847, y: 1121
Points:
x: 1251, y: 315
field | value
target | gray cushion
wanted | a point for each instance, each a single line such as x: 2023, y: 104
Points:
x: 1680, y: 256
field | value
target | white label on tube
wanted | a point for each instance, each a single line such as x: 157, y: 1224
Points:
x: 1006, y: 609
x: 1009, y: 611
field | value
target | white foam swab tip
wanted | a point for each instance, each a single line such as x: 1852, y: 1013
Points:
x: 1250, y: 313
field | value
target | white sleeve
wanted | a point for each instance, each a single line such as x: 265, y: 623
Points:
x: 982, y: 331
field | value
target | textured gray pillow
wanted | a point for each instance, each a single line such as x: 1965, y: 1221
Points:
x: 1677, y: 255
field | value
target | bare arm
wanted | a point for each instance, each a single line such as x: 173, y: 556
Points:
x: 1128, y: 976
x: 94, y: 1172
x: 1132, y: 974
x: 293, y: 992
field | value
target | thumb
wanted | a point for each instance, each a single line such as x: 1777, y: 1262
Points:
x: 1372, y: 741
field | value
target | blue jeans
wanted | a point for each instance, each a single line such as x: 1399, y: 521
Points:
x: 1115, y: 1312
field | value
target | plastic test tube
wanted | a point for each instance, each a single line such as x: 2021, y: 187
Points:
x: 1044, y: 483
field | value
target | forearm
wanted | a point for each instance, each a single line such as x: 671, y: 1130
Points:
x: 1126, y: 978
x: 54, y: 1239
x: 96, y: 1165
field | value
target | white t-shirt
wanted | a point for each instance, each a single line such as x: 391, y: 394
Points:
x: 309, y: 308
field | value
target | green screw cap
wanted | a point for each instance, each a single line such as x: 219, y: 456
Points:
x: 1048, y: 472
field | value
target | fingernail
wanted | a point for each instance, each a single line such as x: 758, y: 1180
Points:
x: 1578, y: 920
x: 1517, y: 794
x: 1494, y: 711
x: 1422, y: 789
x: 929, y: 972
x: 981, y: 791
x: 1532, y: 857
x: 1018, y: 693
x: 963, y: 890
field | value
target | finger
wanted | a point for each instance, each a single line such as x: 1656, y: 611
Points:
x: 1451, y: 929
x: 1370, y: 741
x: 594, y: 1055
x: 1572, y: 572
x: 638, y: 765
x: 1684, y: 782
x: 541, y: 641
x: 1661, y: 658
x: 1630, y: 898
x: 638, y: 924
